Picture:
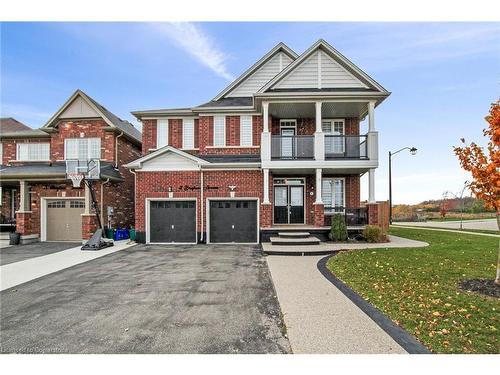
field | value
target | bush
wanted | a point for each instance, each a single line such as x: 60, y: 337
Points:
x: 338, y: 230
x: 374, y: 234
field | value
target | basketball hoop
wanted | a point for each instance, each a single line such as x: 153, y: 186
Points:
x: 76, y: 178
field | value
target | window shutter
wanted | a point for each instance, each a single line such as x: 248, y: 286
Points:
x: 246, y: 131
x: 161, y: 133
x: 188, y: 133
x: 219, y: 131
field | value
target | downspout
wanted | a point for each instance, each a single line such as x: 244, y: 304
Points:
x: 133, y: 200
x: 116, y: 149
x: 201, y: 204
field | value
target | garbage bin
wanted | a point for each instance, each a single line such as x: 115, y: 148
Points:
x: 110, y: 233
x: 14, y: 238
x: 132, y: 234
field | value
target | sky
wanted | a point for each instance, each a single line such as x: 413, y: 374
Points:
x: 442, y: 76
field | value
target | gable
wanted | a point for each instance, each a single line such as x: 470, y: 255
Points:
x: 261, y: 76
x: 79, y: 108
x: 170, y: 161
x: 319, y: 71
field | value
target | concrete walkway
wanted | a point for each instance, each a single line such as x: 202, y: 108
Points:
x: 319, y: 317
x: 21, y: 272
x: 445, y: 230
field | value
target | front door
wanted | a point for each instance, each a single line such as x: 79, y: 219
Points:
x: 289, y: 204
x: 287, y: 140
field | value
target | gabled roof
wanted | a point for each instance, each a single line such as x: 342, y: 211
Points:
x: 138, y: 162
x: 335, y: 55
x: 110, y: 118
x: 280, y: 47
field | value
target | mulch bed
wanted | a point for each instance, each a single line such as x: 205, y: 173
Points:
x: 482, y: 286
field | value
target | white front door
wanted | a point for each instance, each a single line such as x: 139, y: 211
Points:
x: 287, y: 140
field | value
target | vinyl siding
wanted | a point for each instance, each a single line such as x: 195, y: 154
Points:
x: 263, y: 75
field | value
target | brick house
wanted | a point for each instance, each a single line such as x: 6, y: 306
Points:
x: 35, y: 191
x: 280, y: 147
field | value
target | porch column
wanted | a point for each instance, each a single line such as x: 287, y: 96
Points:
x: 265, y: 137
x: 371, y: 186
x: 319, y: 183
x: 266, y: 187
x: 319, y: 137
x: 265, y: 114
x: 371, y: 116
x: 23, y: 197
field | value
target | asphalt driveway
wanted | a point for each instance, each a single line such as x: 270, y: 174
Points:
x: 149, y: 299
x: 18, y: 253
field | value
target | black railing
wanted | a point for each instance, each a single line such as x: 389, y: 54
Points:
x: 346, y: 147
x: 285, y: 147
x: 354, y: 216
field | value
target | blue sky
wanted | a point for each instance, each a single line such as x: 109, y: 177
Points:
x: 442, y: 76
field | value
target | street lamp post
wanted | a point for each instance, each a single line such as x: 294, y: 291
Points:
x: 413, y: 151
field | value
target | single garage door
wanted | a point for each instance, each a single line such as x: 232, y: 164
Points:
x: 64, y: 219
x: 172, y: 221
x: 233, y: 221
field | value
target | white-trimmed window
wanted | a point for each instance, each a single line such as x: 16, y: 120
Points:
x: 334, y: 145
x: 219, y: 131
x: 33, y: 151
x: 188, y: 133
x: 246, y: 137
x: 161, y: 133
x: 333, y: 194
x: 82, y: 148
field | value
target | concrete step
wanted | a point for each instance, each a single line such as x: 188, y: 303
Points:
x: 280, y: 241
x: 4, y: 235
x: 294, y: 234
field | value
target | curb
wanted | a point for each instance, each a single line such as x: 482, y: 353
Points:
x: 407, y: 341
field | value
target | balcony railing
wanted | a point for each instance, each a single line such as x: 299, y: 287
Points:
x: 346, y: 147
x: 354, y: 216
x: 292, y: 147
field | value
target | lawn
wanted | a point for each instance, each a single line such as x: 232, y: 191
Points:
x: 486, y: 231
x: 418, y: 288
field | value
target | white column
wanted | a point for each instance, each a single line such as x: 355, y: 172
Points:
x: 265, y: 114
x: 318, y: 117
x: 23, y: 197
x: 371, y: 116
x: 371, y: 186
x: 88, y: 202
x: 266, y: 187
x: 319, y: 183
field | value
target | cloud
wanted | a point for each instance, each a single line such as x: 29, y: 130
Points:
x: 192, y: 39
x: 31, y: 116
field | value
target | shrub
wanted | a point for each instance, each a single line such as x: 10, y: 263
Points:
x: 374, y: 233
x: 338, y: 230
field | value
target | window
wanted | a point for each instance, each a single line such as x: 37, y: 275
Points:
x: 161, y: 133
x: 246, y: 131
x: 188, y: 133
x: 333, y: 145
x: 77, y: 204
x: 219, y: 131
x: 332, y: 193
x: 33, y: 151
x: 82, y: 148
x: 56, y: 204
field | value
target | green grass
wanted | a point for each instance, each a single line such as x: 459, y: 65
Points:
x: 486, y: 231
x: 418, y: 288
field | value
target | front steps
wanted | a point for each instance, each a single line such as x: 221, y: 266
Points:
x: 295, y: 243
x: 294, y: 239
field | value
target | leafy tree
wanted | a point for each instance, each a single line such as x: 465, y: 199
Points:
x: 485, y: 167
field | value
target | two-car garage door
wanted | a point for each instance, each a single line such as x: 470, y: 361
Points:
x: 174, y: 221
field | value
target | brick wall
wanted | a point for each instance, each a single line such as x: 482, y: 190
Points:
x: 9, y: 148
x: 175, y: 133
x: 148, y: 136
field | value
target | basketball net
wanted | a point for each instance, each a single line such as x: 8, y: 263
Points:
x: 76, y: 178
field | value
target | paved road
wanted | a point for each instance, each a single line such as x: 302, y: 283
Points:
x: 14, y: 254
x: 487, y: 224
x: 319, y: 317
x: 149, y: 299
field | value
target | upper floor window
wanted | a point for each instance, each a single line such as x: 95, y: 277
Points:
x: 33, y: 151
x: 82, y: 148
x: 161, y: 133
x: 219, y: 130
x: 246, y: 131
x: 334, y: 145
x: 188, y: 133
x: 332, y: 193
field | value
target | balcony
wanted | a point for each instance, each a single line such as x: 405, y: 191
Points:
x: 346, y: 147
x: 294, y: 147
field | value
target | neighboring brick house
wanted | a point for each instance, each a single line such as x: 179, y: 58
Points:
x: 278, y: 148
x: 33, y: 172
